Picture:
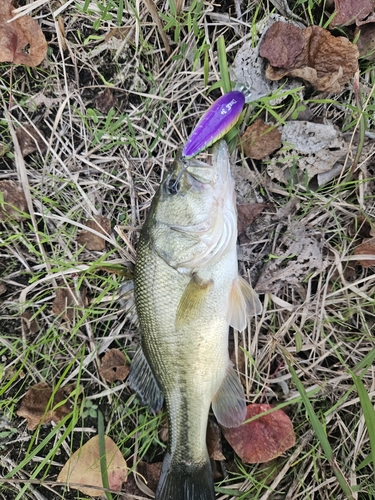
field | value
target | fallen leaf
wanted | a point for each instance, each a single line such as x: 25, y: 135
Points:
x: 260, y: 140
x: 67, y: 302
x: 263, y: 439
x: 366, y: 41
x: 283, y: 43
x: 93, y: 241
x: 213, y: 441
x: 361, y: 226
x: 31, y: 323
x: 13, y: 203
x: 83, y: 468
x: 106, y: 100
x: 15, y: 36
x: 30, y: 139
x: 326, y: 62
x: 38, y: 405
x: 366, y: 248
x: 151, y: 473
x: 3, y: 288
x: 351, y: 11
x: 113, y: 366
x: 247, y: 213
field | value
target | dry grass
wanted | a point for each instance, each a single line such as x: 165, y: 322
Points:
x: 110, y: 163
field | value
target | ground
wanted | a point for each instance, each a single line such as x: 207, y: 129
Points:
x: 109, y: 108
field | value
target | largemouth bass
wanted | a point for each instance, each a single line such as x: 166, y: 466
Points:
x: 187, y: 293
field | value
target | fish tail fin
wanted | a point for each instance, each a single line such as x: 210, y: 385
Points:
x: 185, y: 481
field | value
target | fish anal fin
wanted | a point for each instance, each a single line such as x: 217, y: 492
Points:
x: 142, y: 381
x: 243, y: 302
x: 192, y: 300
x: 228, y: 404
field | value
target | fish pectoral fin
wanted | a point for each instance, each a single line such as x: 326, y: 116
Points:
x: 192, y: 300
x: 228, y: 404
x: 243, y: 302
x: 142, y: 381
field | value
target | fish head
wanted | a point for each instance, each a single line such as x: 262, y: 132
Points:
x: 194, y: 212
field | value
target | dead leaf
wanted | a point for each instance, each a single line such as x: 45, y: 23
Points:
x: 366, y: 248
x: 32, y: 324
x: 326, y: 62
x: 366, y: 41
x: 351, y: 11
x: 260, y: 140
x: 282, y: 44
x: 19, y: 34
x: 213, y: 441
x: 93, y: 241
x: 39, y: 407
x: 247, y: 213
x: 3, y: 288
x: 106, y: 100
x: 83, y: 468
x: 151, y: 473
x: 13, y: 203
x: 113, y: 366
x: 30, y: 139
x: 263, y: 439
x: 65, y: 303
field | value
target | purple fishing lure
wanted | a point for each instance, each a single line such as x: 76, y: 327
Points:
x: 220, y: 117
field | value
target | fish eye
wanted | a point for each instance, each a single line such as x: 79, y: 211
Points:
x: 173, y: 186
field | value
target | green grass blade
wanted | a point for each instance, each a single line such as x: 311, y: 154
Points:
x: 103, y: 456
x: 223, y: 65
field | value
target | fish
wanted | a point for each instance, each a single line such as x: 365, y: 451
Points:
x: 187, y: 294
x: 220, y: 117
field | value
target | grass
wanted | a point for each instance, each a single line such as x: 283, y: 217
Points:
x: 311, y: 352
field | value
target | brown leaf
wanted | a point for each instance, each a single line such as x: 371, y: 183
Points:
x: 247, y: 213
x: 13, y: 203
x: 260, y: 140
x: 361, y: 226
x: 19, y: 34
x: 327, y: 62
x: 31, y: 323
x: 113, y: 366
x: 151, y: 472
x: 3, y: 288
x: 83, y: 468
x: 93, y: 241
x: 39, y: 407
x: 30, y: 140
x: 213, y: 441
x: 366, y: 248
x: 263, y: 439
x: 351, y: 11
x: 65, y: 303
x: 106, y: 100
x: 282, y: 44
x: 366, y: 41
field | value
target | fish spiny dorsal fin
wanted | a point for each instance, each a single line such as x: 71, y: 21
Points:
x: 243, y: 302
x: 192, y: 301
x: 229, y: 403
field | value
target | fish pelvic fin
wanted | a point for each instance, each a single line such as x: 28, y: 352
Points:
x: 192, y: 301
x: 185, y: 481
x: 229, y: 404
x: 142, y: 381
x: 243, y: 302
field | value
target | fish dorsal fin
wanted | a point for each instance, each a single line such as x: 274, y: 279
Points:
x: 142, y: 381
x: 192, y: 300
x: 243, y: 302
x: 229, y: 403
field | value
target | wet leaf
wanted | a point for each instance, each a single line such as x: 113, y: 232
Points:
x: 326, y: 62
x: 30, y: 139
x: 113, y: 366
x: 19, y: 34
x: 93, y: 241
x: 83, y: 468
x: 39, y: 407
x: 31, y: 323
x: 366, y: 248
x: 351, y: 11
x: 260, y: 140
x: 13, y: 203
x: 247, y: 213
x: 263, y: 439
